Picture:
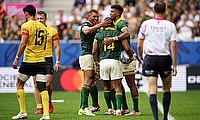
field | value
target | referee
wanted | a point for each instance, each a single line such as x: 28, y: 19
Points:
x: 159, y: 36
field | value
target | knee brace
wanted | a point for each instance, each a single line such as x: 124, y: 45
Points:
x: 23, y: 77
x: 40, y: 78
x: 41, y: 86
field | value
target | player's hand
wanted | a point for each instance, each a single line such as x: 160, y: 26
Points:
x: 174, y: 71
x: 96, y: 71
x: 57, y: 67
x: 130, y: 60
x: 105, y: 23
x: 134, y: 57
x: 96, y: 68
x: 108, y: 41
x: 15, y: 63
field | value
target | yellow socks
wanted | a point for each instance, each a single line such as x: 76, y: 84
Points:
x: 45, y: 102
x: 39, y: 106
x: 21, y: 100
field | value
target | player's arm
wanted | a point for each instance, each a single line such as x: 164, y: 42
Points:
x: 21, y: 49
x: 56, y: 45
x: 141, y: 38
x: 95, y: 50
x: 125, y: 35
x: 140, y: 48
x: 95, y: 54
x: 127, y: 48
x: 174, y: 55
x: 89, y: 30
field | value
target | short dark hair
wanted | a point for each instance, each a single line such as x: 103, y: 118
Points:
x: 160, y: 7
x: 111, y: 24
x: 30, y: 9
x: 92, y: 11
x: 42, y: 12
x: 118, y: 7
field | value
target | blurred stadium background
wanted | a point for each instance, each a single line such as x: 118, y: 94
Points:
x: 135, y: 11
x: 68, y: 81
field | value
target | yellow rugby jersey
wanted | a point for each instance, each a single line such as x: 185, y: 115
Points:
x: 52, y: 35
x: 35, y: 47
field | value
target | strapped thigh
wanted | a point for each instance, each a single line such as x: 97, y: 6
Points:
x: 23, y: 77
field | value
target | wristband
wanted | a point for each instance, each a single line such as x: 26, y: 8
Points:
x: 95, y: 63
x: 115, y: 38
x: 17, y: 58
x: 57, y: 62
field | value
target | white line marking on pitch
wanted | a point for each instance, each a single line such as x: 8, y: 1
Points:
x: 57, y: 101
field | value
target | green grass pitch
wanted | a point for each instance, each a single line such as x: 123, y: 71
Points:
x: 184, y: 106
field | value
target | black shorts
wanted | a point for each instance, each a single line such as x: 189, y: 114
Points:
x: 49, y: 63
x: 33, y: 68
x: 154, y: 65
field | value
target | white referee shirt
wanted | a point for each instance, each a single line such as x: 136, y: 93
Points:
x: 157, y: 33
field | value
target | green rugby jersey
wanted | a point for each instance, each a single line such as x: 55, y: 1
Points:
x: 111, y: 51
x: 119, y: 25
x: 86, y: 40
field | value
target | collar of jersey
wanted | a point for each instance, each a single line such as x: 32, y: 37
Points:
x: 110, y: 28
x: 118, y: 21
x: 89, y: 22
x: 158, y: 18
